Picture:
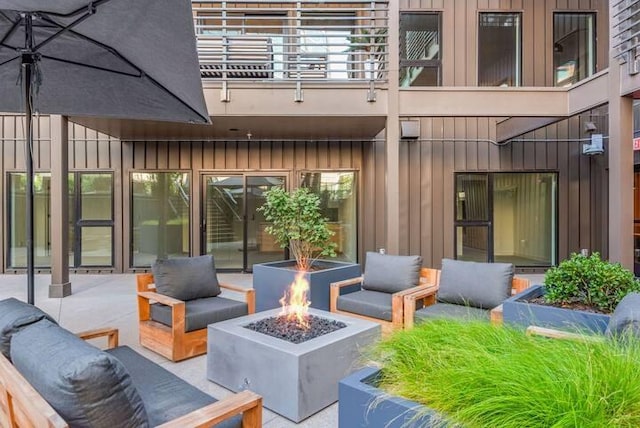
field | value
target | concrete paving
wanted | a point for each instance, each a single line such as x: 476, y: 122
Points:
x: 109, y: 301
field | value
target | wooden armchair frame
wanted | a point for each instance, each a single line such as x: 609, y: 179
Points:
x: 173, y: 342
x: 428, y: 277
x: 22, y: 406
x: 428, y: 297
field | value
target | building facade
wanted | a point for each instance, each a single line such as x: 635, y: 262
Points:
x: 442, y: 128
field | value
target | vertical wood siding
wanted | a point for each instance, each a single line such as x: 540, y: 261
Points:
x: 460, y: 35
x: 428, y: 168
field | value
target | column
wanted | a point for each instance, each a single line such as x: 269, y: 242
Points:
x: 620, y: 151
x: 392, y: 146
x: 60, y: 285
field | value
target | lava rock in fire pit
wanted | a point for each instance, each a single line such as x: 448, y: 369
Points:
x: 290, y: 330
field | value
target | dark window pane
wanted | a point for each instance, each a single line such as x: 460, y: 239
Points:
x: 472, y: 243
x: 472, y: 203
x: 499, y: 49
x: 573, y: 47
x: 420, y: 47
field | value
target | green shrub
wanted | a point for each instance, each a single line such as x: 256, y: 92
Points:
x: 479, y: 375
x: 590, y: 281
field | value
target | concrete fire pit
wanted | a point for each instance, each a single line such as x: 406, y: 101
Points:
x: 295, y: 380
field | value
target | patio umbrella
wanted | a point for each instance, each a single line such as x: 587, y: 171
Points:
x: 107, y: 58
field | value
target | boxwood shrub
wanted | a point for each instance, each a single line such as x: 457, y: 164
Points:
x: 590, y: 281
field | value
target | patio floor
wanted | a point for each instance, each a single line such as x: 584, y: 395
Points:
x: 109, y: 300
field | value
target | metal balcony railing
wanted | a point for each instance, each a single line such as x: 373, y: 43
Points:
x: 293, y: 41
x: 626, y: 33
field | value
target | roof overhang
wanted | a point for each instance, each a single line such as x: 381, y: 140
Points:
x: 242, y: 127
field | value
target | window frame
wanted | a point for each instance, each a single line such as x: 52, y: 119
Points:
x: 489, y: 222
x: 519, y: 45
x: 593, y: 41
x: 427, y: 63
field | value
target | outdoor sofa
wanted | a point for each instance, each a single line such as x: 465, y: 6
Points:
x: 50, y: 377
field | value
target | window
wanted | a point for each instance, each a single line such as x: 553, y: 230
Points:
x: 160, y: 216
x: 507, y: 217
x: 573, y: 47
x: 420, y: 47
x: 90, y: 219
x: 338, y: 202
x: 499, y: 49
x: 17, y: 257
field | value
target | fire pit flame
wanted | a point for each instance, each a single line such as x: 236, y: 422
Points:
x: 295, y: 306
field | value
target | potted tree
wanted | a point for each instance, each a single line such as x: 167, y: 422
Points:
x: 578, y: 294
x: 296, y: 223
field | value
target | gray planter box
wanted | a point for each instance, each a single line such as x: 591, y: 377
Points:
x: 270, y: 280
x: 516, y: 311
x: 361, y: 404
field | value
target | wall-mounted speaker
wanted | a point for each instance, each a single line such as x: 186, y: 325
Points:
x: 409, y: 129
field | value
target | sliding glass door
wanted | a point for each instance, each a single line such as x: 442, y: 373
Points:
x: 233, y: 228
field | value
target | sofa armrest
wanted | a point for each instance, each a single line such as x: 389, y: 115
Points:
x: 426, y: 294
x: 249, y: 294
x: 110, y: 333
x: 246, y: 402
x: 160, y: 298
x: 334, y: 290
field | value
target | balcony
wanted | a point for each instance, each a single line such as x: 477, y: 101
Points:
x: 625, y: 42
x: 298, y: 42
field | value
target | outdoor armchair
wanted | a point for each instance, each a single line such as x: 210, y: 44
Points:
x: 177, y: 302
x: 386, y: 280
x: 464, y: 290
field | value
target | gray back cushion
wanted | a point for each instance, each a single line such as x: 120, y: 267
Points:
x: 481, y: 285
x: 14, y: 316
x: 626, y: 317
x: 390, y: 274
x: 86, y: 386
x: 186, y: 278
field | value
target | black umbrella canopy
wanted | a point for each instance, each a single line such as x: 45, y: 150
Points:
x: 132, y: 59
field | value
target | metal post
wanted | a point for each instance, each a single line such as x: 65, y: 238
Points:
x: 27, y: 64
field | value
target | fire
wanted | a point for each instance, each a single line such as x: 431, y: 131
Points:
x: 295, y: 306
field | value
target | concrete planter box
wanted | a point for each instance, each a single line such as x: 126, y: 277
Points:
x: 517, y: 311
x: 270, y: 280
x: 295, y: 380
x: 361, y: 404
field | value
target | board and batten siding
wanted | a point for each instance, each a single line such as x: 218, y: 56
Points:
x: 427, y: 182
x: 289, y: 158
x: 459, y: 50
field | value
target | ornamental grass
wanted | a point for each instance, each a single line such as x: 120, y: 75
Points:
x: 478, y: 375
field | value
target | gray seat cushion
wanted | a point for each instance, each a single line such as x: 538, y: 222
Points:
x: 165, y: 395
x: 481, y: 285
x: 374, y: 304
x: 448, y: 310
x: 86, y: 386
x: 14, y: 316
x: 186, y: 278
x: 200, y: 313
x: 626, y: 317
x: 390, y: 274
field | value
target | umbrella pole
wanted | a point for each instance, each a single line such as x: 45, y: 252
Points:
x: 27, y: 64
